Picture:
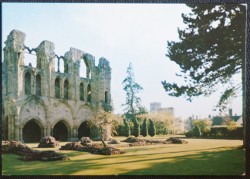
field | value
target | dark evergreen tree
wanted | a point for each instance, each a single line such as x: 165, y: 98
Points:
x: 144, y: 128
x: 196, y: 131
x: 151, y: 129
x: 210, y: 52
x: 136, y: 128
x: 132, y: 100
x: 127, y: 128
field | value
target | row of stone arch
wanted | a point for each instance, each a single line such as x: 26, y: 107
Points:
x: 66, y: 86
x: 61, y: 64
x: 27, y: 82
x: 34, y: 130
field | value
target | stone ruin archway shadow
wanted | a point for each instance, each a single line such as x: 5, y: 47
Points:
x: 61, y: 131
x: 32, y: 131
x: 84, y: 130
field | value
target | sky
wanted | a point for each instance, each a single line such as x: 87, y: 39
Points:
x: 122, y: 33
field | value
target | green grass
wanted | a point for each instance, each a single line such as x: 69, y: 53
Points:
x: 198, y: 157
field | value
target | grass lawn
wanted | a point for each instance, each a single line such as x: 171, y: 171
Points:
x: 198, y: 157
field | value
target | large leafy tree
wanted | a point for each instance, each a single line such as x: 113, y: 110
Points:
x: 210, y: 52
x: 132, y: 105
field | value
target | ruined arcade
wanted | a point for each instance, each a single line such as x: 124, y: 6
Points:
x: 43, y: 100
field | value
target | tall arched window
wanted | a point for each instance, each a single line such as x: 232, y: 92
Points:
x: 106, y: 97
x: 89, y: 93
x: 66, y: 89
x: 57, y: 88
x: 81, y: 92
x: 38, y: 85
x: 83, y: 69
x: 66, y: 67
x: 27, y: 83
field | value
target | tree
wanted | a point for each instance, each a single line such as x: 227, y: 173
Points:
x: 103, y: 121
x: 196, y: 131
x: 136, y: 128
x: 132, y: 89
x: 203, y: 124
x: 163, y: 121
x: 210, y: 52
x: 232, y: 126
x: 151, y: 130
x: 127, y: 128
x: 145, y: 128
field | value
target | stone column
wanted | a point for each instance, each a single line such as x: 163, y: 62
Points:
x: 21, y: 134
x: 14, y: 45
x: 107, y: 132
x: 48, y: 131
x: 45, y: 53
x: 16, y: 128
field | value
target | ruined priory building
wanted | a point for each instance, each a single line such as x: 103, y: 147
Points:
x: 41, y: 100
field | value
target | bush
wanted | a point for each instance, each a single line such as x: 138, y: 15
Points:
x: 151, y: 130
x: 136, y: 128
x: 227, y: 132
x: 131, y: 139
x: 144, y: 128
x: 160, y: 127
x: 127, y: 131
x: 189, y: 133
x: 196, y: 131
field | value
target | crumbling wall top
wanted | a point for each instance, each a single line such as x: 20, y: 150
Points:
x: 103, y: 62
x: 46, y: 48
x: 74, y: 54
x: 15, y: 40
x: 89, y: 60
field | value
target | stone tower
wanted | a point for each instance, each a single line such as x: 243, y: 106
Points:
x: 40, y: 100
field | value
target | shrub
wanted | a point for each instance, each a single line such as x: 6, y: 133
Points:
x: 136, y: 128
x: 131, y: 139
x: 196, y: 131
x: 127, y: 131
x: 190, y: 133
x: 151, y: 130
x: 144, y: 128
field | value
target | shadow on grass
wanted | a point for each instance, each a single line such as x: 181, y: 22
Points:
x: 222, y: 161
x: 227, y: 162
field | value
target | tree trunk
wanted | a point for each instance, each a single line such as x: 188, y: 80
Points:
x: 103, y: 143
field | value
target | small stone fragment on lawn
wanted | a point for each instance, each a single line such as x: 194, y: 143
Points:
x: 174, y: 140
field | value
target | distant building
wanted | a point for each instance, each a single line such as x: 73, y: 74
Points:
x: 178, y: 125
x: 221, y: 120
x: 154, y: 106
x: 169, y: 111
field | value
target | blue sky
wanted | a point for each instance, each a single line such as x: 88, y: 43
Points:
x: 122, y: 33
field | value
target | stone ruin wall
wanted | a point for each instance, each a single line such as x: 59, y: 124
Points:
x: 45, y: 96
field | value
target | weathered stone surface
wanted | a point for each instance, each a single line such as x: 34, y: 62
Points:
x: 140, y: 143
x: 114, y: 141
x: 96, y: 148
x: 132, y: 139
x: 72, y: 146
x: 109, y: 151
x: 42, y: 106
x: 85, y: 141
x: 48, y: 141
x: 28, y: 154
x: 173, y: 140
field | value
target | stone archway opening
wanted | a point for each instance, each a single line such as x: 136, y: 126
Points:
x: 60, y: 131
x: 32, y: 131
x: 6, y: 128
x: 84, y: 130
